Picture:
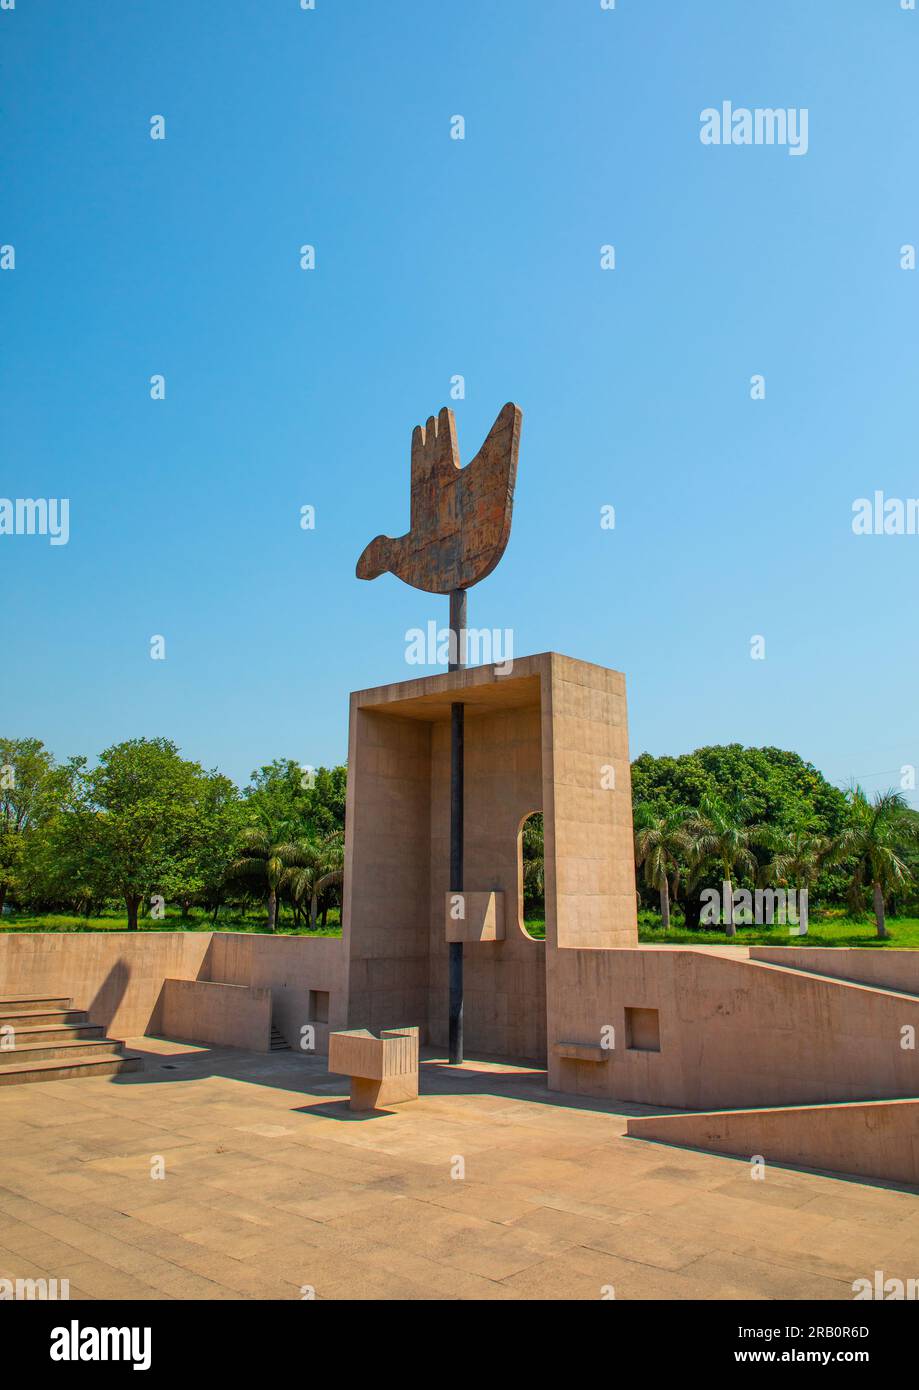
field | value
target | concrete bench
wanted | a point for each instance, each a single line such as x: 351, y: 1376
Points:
x: 581, y: 1052
x: 383, y: 1070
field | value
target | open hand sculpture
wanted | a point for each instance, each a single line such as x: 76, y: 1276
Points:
x: 460, y: 517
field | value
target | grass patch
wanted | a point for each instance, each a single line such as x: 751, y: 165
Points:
x: 823, y: 930
x: 196, y: 921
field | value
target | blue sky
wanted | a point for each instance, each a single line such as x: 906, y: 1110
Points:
x: 438, y: 257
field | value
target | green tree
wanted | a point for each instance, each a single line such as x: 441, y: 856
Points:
x: 310, y: 801
x: 199, y: 870
x: 266, y: 856
x: 325, y: 795
x: 662, y: 845
x: 720, y: 833
x: 30, y: 789
x: 322, y: 869
x: 797, y: 856
x: 878, y: 835
x: 142, y: 801
x: 778, y: 786
x: 66, y: 866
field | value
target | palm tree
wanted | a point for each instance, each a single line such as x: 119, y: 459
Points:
x: 878, y: 833
x: 661, y: 845
x: 265, y: 857
x: 720, y: 832
x: 798, y: 856
x: 322, y: 867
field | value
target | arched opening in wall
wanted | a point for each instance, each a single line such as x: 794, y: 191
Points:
x: 531, y: 877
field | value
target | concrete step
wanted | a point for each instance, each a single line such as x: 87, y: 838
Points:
x: 28, y: 1003
x: 65, y: 1049
x: 23, y: 1018
x: 278, y: 1042
x: 108, y: 1064
x: 55, y: 1032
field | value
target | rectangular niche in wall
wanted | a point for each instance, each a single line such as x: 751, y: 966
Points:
x: 643, y: 1030
x: 319, y: 1006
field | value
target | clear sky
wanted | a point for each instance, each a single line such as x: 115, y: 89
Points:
x: 437, y: 257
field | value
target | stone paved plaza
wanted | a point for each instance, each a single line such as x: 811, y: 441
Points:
x: 272, y: 1185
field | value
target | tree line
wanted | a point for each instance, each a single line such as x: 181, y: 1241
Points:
x: 731, y: 818
x: 148, y: 827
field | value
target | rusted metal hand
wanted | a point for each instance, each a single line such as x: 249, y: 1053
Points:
x: 460, y: 517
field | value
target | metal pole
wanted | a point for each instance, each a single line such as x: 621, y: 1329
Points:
x: 457, y: 732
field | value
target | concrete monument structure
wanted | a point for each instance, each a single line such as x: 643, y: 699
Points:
x: 543, y: 738
x: 699, y: 1029
x: 802, y: 1046
x: 460, y: 524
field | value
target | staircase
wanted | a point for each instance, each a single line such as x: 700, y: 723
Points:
x: 43, y: 1038
x: 278, y: 1041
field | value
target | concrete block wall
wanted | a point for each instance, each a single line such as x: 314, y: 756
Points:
x: 306, y: 977
x: 387, y: 870
x: 207, y: 1012
x: 119, y: 978
x: 875, y: 1139
x: 587, y: 790
x: 885, y: 968
x: 732, y: 1032
x: 116, y: 976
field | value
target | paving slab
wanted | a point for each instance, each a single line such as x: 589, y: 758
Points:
x: 487, y: 1187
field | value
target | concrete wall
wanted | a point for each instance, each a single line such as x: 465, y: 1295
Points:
x: 733, y: 1033
x: 228, y: 1015
x: 875, y: 1140
x: 116, y: 976
x: 119, y: 976
x: 884, y: 967
x: 387, y: 870
x: 590, y: 858
x: 295, y: 969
